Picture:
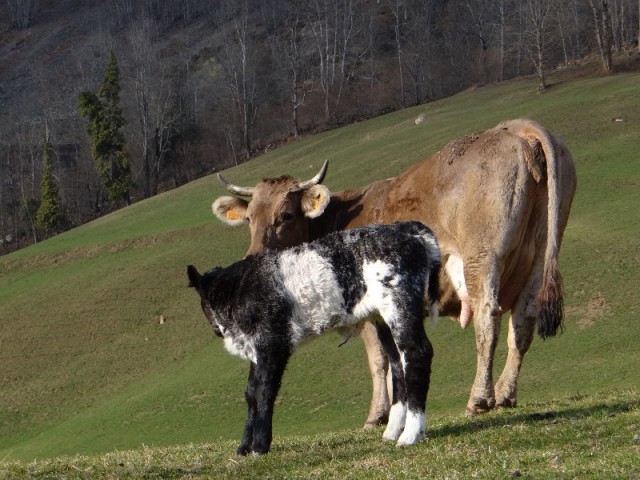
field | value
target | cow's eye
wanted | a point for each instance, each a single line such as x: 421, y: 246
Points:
x: 287, y: 216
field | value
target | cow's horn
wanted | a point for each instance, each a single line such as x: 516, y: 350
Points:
x: 317, y: 179
x: 242, y: 191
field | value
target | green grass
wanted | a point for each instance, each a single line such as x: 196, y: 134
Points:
x: 86, y: 368
x: 586, y: 437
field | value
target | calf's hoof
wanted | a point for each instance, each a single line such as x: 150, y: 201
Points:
x: 391, y: 435
x: 406, y: 440
x: 243, y: 450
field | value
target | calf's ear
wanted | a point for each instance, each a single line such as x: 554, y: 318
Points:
x: 314, y: 200
x: 195, y: 279
x: 230, y: 210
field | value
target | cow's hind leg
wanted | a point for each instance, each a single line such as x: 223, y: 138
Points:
x: 378, y: 366
x: 487, y: 330
x: 520, y: 336
x: 398, y: 411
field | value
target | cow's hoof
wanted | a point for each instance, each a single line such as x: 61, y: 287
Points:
x: 479, y: 406
x: 507, y: 403
x: 382, y: 420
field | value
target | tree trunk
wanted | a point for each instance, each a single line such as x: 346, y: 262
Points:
x: 542, y: 84
x: 396, y: 28
x: 607, y: 34
x: 602, y: 24
x: 502, y: 22
x: 562, y: 39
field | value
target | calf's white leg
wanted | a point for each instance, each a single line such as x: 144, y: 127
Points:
x: 414, y: 428
x: 397, y: 418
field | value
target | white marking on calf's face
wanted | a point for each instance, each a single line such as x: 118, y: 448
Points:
x: 241, y: 345
x: 236, y: 343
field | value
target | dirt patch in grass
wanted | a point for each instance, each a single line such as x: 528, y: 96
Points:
x: 591, y: 311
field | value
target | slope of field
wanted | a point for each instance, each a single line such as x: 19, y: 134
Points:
x: 582, y: 436
x: 87, y: 367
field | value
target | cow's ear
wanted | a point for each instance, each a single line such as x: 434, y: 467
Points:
x: 195, y: 279
x: 231, y: 210
x: 314, y: 200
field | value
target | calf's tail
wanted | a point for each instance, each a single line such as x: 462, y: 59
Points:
x: 433, y: 274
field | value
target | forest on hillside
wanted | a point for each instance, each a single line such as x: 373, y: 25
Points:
x: 201, y: 85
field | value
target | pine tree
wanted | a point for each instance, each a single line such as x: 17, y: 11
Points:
x: 105, y: 122
x: 50, y: 214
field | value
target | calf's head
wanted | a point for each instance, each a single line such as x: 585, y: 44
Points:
x: 201, y: 284
x: 279, y: 210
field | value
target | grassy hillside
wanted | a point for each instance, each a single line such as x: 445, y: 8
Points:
x: 583, y: 436
x: 86, y: 367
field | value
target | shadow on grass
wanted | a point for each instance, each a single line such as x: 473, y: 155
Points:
x: 511, y: 416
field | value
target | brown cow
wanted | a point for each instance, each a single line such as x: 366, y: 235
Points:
x: 498, y: 202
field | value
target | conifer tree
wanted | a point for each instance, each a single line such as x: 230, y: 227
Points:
x: 50, y: 214
x: 105, y: 121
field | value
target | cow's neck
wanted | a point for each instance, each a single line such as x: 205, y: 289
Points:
x: 349, y: 208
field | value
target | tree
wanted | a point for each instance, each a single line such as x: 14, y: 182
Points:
x: 538, y: 15
x: 286, y: 50
x: 603, y: 31
x: 332, y: 27
x: 108, y: 144
x: 399, y: 11
x: 50, y: 214
x: 21, y: 12
x: 156, y: 99
x: 238, y: 60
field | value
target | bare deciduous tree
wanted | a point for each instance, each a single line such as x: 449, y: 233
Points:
x: 538, y: 14
x: 156, y: 99
x: 286, y: 51
x: 603, y: 31
x: 331, y: 24
x: 238, y: 62
x: 21, y: 12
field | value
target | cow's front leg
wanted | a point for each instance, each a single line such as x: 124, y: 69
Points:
x: 398, y: 411
x: 378, y: 366
x: 487, y: 329
x: 267, y: 379
x: 250, y: 398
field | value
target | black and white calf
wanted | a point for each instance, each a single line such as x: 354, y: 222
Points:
x: 265, y: 305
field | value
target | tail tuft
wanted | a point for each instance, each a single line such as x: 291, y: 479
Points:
x: 550, y: 299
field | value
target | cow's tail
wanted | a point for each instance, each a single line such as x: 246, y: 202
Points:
x: 550, y: 295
